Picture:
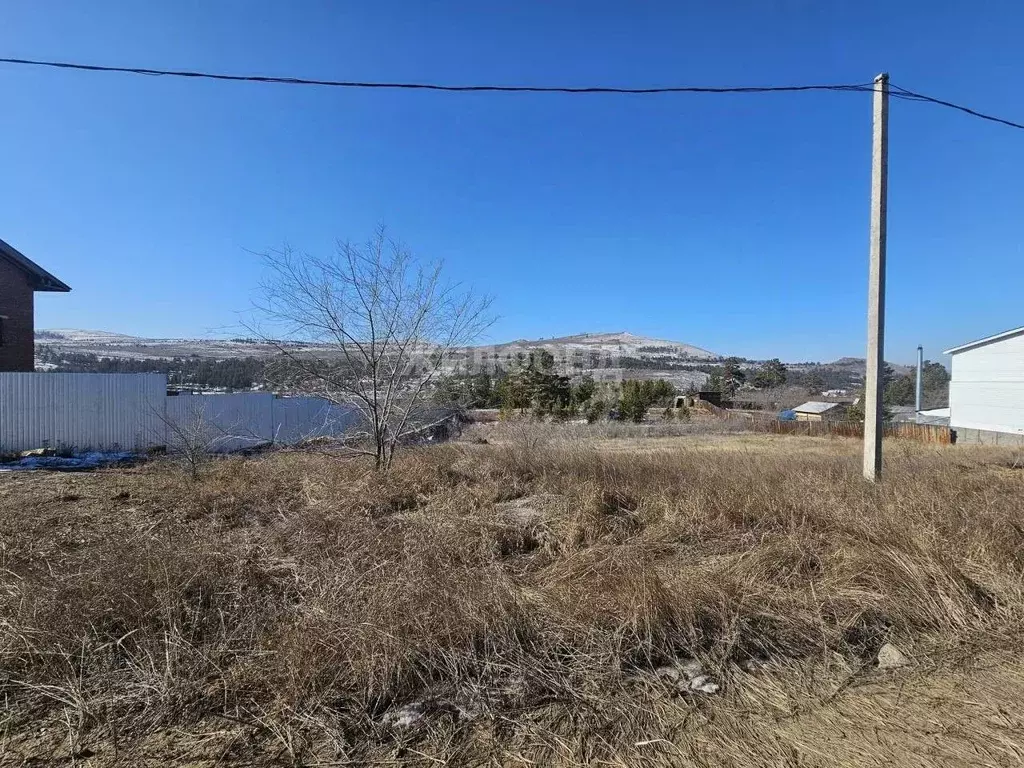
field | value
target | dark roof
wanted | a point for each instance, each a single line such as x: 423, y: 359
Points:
x: 41, y: 279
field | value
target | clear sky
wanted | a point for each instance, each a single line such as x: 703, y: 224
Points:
x: 738, y: 223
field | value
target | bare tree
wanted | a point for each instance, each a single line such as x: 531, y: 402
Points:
x: 376, y: 328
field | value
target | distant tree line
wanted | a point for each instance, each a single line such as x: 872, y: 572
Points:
x: 901, y: 390
x: 532, y: 384
x: 820, y: 378
x: 729, y: 377
x: 240, y: 373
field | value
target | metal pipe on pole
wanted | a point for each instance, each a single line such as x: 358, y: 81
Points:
x: 919, y: 386
x: 876, y: 282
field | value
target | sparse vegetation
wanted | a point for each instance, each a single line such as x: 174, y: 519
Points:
x: 530, y: 600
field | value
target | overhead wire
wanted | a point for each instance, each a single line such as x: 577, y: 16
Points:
x: 896, y: 92
x: 436, y: 86
x: 902, y: 93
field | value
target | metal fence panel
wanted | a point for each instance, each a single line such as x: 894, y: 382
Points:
x: 81, y: 411
x: 246, y: 419
x: 227, y: 422
x: 303, y: 418
x: 105, y: 411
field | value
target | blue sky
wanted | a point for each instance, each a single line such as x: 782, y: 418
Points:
x: 738, y: 223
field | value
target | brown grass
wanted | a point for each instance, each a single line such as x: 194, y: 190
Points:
x: 287, y: 609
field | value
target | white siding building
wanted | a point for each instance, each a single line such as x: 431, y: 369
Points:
x: 986, y: 391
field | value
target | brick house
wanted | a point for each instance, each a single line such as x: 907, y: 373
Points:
x: 20, y: 278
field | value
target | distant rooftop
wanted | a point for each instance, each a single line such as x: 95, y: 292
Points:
x: 816, y: 406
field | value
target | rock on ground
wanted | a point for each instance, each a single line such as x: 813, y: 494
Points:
x: 891, y: 657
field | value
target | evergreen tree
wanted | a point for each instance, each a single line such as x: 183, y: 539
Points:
x: 732, y: 377
x: 771, y: 374
x: 632, y: 403
x: 900, y: 391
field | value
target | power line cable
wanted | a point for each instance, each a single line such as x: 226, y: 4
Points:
x: 903, y: 93
x: 896, y: 91
x: 435, y: 86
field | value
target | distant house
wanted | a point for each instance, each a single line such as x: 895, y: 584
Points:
x: 20, y: 278
x: 820, y: 411
x: 986, y: 391
x: 710, y: 396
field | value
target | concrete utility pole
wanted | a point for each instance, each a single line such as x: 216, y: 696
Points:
x: 919, y: 388
x: 876, y: 282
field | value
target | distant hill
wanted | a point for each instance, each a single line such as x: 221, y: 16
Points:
x: 621, y: 342
x: 612, y: 355
x: 78, y: 336
x: 106, y: 343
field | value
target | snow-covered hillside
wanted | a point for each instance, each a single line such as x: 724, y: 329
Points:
x: 108, y: 344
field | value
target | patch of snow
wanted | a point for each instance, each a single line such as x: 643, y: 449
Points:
x: 80, y: 335
x: 688, y: 675
x: 78, y: 462
x: 404, y: 717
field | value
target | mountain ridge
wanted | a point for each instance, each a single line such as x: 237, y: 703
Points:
x: 109, y: 343
x: 612, y: 355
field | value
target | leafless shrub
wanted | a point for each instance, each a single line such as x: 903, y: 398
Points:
x: 195, y: 433
x: 191, y: 439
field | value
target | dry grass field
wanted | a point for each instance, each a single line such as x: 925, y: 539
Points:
x: 535, y: 600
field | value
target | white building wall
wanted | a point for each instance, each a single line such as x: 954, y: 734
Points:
x: 987, y: 387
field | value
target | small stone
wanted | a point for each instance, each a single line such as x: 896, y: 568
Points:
x: 404, y: 717
x: 891, y: 657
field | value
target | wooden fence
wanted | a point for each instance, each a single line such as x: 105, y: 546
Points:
x: 923, y: 433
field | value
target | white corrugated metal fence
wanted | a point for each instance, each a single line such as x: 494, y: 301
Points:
x: 81, y: 410
x: 242, y: 420
x: 98, y: 411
